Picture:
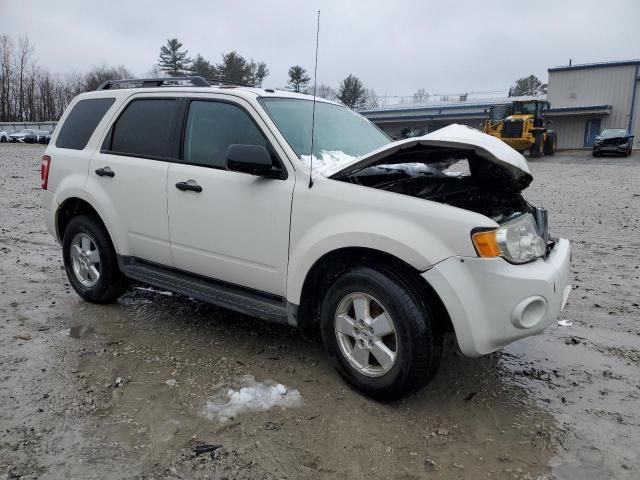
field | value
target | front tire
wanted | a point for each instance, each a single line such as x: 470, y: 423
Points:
x: 91, y: 262
x: 550, y: 143
x: 536, y: 149
x: 381, y: 336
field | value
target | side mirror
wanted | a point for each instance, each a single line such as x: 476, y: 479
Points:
x: 252, y: 159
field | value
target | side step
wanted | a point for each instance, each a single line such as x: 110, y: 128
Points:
x: 264, y: 306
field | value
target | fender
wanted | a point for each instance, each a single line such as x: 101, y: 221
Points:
x: 103, y: 206
x: 334, y: 215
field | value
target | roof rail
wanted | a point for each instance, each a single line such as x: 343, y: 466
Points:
x: 194, y: 81
x: 221, y: 81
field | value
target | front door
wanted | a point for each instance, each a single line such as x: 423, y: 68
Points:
x: 591, y: 131
x: 235, y: 226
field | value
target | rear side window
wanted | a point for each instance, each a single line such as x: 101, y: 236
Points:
x: 212, y: 127
x: 145, y: 129
x: 81, y: 122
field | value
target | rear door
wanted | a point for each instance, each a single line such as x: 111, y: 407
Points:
x: 129, y: 174
x: 236, y: 228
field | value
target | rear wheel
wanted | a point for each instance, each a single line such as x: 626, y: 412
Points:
x: 550, y: 143
x: 536, y: 149
x: 91, y: 262
x: 380, y: 335
x: 595, y: 154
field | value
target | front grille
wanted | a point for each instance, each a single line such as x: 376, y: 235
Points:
x: 512, y: 129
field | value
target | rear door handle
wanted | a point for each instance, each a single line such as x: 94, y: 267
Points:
x: 105, y: 172
x: 189, y: 185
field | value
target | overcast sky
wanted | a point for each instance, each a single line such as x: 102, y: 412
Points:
x: 394, y: 46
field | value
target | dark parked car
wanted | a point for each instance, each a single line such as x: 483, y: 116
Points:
x: 35, y: 136
x: 613, y: 140
x: 45, y: 139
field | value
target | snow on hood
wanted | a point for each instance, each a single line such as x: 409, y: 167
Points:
x: 328, y: 162
x: 485, y: 146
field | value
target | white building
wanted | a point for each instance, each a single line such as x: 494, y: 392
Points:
x: 588, y: 98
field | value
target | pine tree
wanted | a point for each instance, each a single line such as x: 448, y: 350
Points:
x: 234, y: 68
x: 172, y: 59
x: 352, y: 93
x: 203, y: 68
x: 298, y: 78
x: 530, y: 85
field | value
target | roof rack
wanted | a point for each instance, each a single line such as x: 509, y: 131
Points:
x: 194, y: 81
x: 220, y: 81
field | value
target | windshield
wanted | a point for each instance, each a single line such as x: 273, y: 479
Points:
x: 613, y: 132
x: 340, y: 134
x: 525, y: 108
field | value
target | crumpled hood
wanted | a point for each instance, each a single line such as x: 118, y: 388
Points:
x: 489, y: 148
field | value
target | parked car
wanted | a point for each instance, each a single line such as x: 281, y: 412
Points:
x: 381, y: 246
x: 20, y: 136
x: 613, y: 140
x: 35, y: 136
x: 45, y: 139
x: 4, y: 136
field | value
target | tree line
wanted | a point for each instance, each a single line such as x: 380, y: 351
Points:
x: 233, y: 68
x: 30, y: 92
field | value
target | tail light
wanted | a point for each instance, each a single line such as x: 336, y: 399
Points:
x: 44, y: 170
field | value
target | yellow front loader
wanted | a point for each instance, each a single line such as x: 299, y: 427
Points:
x: 521, y: 125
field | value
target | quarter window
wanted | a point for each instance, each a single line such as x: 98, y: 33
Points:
x: 145, y: 129
x: 81, y: 122
x: 212, y: 127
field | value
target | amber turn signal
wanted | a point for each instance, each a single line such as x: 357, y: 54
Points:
x: 486, y: 244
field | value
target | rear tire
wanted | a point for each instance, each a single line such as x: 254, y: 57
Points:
x: 550, y: 143
x: 595, y: 154
x: 381, y: 336
x: 91, y: 262
x: 536, y: 149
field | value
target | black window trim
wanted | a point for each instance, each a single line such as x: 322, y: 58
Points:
x: 176, y: 119
x: 185, y: 113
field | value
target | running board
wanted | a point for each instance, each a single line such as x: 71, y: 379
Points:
x: 252, y: 303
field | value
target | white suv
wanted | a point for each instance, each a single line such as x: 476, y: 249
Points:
x: 206, y: 191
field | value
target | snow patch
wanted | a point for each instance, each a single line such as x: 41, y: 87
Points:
x: 250, y: 396
x: 328, y: 162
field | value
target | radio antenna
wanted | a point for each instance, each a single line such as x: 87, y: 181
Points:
x: 313, y: 114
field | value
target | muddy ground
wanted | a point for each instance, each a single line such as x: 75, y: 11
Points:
x: 84, y: 391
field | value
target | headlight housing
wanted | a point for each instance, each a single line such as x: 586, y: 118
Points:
x: 517, y: 241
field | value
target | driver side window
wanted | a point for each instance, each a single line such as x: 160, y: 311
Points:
x: 212, y: 127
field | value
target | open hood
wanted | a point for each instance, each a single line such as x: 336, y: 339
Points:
x: 512, y: 166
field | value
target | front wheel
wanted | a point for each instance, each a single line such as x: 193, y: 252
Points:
x: 91, y: 262
x: 381, y: 336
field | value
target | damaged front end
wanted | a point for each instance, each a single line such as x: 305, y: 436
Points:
x: 464, y: 168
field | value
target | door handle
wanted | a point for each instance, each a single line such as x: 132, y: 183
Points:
x: 105, y: 172
x: 189, y: 185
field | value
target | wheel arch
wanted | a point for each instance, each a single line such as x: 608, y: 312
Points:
x: 72, y: 207
x: 331, y: 265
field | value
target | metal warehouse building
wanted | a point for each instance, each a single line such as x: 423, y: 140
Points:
x: 584, y: 100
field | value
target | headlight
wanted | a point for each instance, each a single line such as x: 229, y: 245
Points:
x: 517, y: 241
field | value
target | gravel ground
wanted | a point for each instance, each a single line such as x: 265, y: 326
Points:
x: 120, y: 391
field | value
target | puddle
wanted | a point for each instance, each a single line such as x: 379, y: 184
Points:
x: 249, y: 396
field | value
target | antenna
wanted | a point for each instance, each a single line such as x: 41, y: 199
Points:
x: 313, y: 115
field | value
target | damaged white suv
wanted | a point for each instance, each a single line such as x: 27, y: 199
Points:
x: 206, y: 191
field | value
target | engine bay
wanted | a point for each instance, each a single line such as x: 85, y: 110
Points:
x: 455, y: 177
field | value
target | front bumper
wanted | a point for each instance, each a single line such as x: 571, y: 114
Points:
x: 611, y: 148
x: 493, y: 303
